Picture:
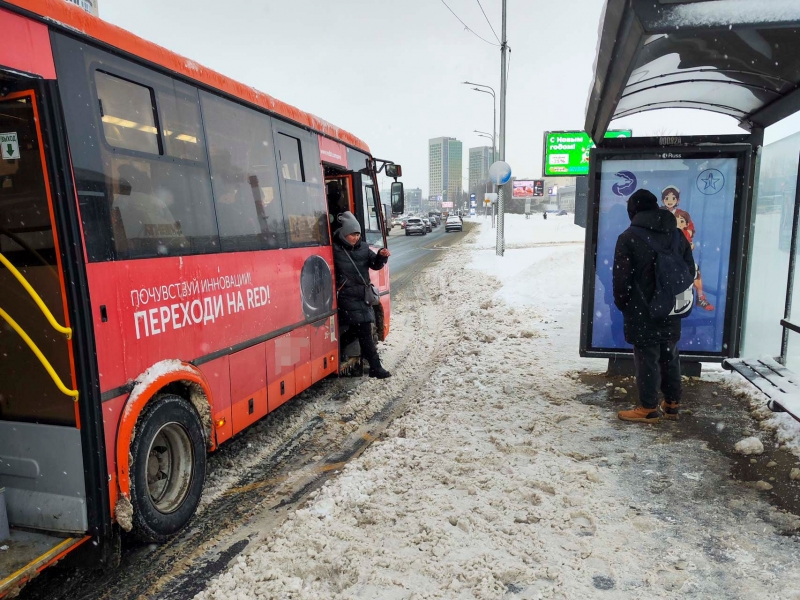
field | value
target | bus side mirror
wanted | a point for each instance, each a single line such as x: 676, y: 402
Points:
x: 398, y: 198
x: 393, y: 170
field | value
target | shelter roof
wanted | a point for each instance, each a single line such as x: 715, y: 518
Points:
x: 740, y: 58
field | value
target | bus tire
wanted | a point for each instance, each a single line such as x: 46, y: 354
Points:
x: 168, y: 468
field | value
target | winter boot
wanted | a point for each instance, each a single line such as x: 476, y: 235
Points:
x: 669, y: 410
x: 640, y: 414
x: 378, y: 371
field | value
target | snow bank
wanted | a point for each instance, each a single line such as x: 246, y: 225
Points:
x: 523, y: 233
x: 731, y: 12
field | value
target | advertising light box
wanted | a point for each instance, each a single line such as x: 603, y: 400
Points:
x: 566, y: 153
x: 702, y: 189
x: 522, y: 188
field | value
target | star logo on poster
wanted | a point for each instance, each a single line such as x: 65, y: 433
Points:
x: 710, y: 181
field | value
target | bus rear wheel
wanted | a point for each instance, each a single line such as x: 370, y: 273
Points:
x: 168, y: 468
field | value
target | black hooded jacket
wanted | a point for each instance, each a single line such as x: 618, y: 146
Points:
x: 634, y: 277
x: 349, y: 285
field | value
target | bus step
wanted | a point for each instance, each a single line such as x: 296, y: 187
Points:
x: 26, y: 553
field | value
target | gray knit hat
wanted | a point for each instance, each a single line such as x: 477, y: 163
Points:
x: 349, y: 224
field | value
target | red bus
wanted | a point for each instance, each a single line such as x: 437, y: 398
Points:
x: 166, y: 268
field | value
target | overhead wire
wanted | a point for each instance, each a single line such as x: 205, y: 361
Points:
x: 468, y: 28
x: 488, y: 21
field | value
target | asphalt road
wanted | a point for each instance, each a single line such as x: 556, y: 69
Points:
x: 411, y: 254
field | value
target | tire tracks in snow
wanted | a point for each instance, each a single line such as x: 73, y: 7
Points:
x: 266, y: 472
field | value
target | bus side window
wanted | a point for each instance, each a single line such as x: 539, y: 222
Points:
x: 127, y: 111
x: 243, y: 173
x: 304, y: 197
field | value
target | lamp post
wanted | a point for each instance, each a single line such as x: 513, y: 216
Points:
x: 486, y: 135
x: 488, y: 90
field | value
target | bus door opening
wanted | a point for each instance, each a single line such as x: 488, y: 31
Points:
x: 41, y: 463
x: 339, y: 191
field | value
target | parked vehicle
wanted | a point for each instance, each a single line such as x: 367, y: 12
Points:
x: 561, y: 213
x: 453, y: 224
x: 427, y: 223
x: 415, y: 225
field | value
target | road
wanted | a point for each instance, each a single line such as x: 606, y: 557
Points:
x: 412, y: 253
x: 264, y: 474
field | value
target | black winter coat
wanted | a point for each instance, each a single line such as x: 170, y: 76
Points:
x: 635, y: 280
x: 349, y: 286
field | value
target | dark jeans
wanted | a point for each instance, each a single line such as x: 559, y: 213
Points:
x: 660, y: 364
x: 363, y: 331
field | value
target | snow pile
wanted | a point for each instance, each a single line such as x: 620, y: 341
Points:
x: 751, y: 445
x: 731, y: 12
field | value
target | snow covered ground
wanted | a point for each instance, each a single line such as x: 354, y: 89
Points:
x: 497, y: 482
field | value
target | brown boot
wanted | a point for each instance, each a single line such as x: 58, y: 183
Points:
x: 669, y: 410
x: 640, y: 414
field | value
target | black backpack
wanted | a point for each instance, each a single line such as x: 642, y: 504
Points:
x: 673, y: 296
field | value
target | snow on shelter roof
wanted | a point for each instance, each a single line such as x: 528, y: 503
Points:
x: 59, y: 13
x: 740, y: 58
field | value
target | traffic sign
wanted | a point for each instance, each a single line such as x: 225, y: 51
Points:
x: 500, y: 172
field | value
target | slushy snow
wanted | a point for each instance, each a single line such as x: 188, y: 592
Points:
x: 498, y: 483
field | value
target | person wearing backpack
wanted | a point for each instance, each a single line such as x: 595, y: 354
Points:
x: 652, y: 280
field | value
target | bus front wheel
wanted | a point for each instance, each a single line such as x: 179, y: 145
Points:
x: 168, y: 468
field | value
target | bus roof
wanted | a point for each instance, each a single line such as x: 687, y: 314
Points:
x: 75, y: 19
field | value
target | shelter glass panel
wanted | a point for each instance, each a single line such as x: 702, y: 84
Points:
x: 773, y: 210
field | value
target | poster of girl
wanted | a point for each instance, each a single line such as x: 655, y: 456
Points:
x: 670, y: 198
x: 686, y: 225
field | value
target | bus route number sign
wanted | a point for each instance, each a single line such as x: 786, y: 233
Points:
x: 9, y: 146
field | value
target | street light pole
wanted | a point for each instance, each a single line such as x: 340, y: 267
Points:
x: 501, y: 197
x: 494, y: 114
x: 486, y: 135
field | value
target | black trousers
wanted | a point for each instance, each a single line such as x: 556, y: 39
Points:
x: 363, y: 331
x: 657, y: 366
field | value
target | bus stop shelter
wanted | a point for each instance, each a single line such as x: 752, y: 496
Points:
x: 738, y: 58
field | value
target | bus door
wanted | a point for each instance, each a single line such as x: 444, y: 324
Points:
x: 369, y: 211
x: 41, y: 464
x: 339, y: 190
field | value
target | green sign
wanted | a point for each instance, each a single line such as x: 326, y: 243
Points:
x: 566, y: 153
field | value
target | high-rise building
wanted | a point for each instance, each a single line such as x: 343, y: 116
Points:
x: 89, y: 6
x: 479, y: 161
x: 445, y: 163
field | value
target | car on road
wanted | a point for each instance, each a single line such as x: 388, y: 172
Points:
x: 415, y: 225
x: 453, y: 224
x: 428, y: 227
x: 433, y: 221
x: 561, y: 213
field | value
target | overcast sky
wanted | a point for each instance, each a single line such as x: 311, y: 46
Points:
x: 389, y: 71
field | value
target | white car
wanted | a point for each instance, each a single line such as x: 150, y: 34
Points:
x: 453, y: 224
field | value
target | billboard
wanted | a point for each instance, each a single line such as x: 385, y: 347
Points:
x: 701, y: 189
x: 566, y: 153
x: 447, y: 205
x: 522, y: 188
x: 538, y: 188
